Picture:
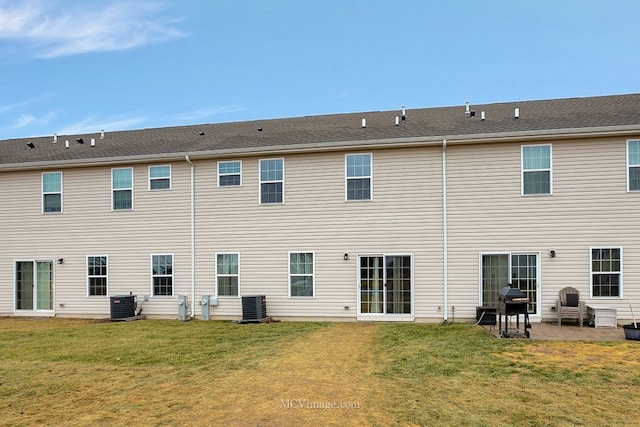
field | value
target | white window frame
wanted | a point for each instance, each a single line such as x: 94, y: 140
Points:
x: 48, y: 193
x: 173, y: 282
x: 105, y: 276
x: 260, y: 181
x: 218, y: 275
x: 113, y: 190
x: 312, y: 275
x: 549, y: 169
x: 347, y: 178
x: 630, y: 165
x: 160, y: 178
x: 239, y: 173
x: 591, y: 272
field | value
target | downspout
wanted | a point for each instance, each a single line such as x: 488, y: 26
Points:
x: 193, y: 240
x: 445, y: 244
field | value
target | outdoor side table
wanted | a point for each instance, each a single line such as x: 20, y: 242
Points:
x: 602, y: 315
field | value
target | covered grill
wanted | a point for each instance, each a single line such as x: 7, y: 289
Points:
x: 513, y: 302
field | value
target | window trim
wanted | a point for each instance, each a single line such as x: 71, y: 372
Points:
x: 106, y: 276
x: 113, y: 190
x: 150, y: 179
x: 313, y: 274
x: 523, y: 171
x: 45, y: 193
x: 229, y: 174
x: 260, y: 181
x: 347, y: 178
x: 620, y: 272
x: 172, y: 275
x: 237, y: 254
x: 629, y: 166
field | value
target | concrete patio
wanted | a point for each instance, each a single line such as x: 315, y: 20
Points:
x: 569, y: 332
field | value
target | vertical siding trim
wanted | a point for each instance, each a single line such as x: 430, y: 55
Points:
x: 445, y: 244
x: 192, y: 219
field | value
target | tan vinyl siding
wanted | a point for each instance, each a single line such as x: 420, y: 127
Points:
x: 159, y: 224
x: 589, y: 207
x: 404, y: 217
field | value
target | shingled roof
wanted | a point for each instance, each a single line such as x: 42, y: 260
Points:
x: 550, y: 118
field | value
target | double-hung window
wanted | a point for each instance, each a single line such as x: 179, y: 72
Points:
x: 633, y: 165
x: 301, y: 274
x: 230, y: 173
x: 536, y: 169
x: 52, y: 192
x: 160, y: 177
x: 271, y: 181
x: 122, y: 189
x: 358, y: 177
x: 227, y: 274
x: 162, y: 275
x: 606, y: 272
x: 97, y: 277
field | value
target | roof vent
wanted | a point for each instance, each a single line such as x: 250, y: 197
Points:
x: 31, y: 146
x: 397, y: 120
x: 516, y: 113
x: 66, y: 143
x: 101, y: 133
x: 364, y: 123
x: 259, y: 129
x: 472, y: 113
x: 93, y: 142
x: 466, y: 108
x: 201, y: 134
x: 404, y: 114
x: 55, y: 138
x: 80, y: 141
x: 482, y: 115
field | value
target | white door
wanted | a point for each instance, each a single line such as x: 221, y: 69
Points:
x: 385, y: 285
x: 34, y: 285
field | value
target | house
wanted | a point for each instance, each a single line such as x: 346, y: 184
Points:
x: 414, y: 215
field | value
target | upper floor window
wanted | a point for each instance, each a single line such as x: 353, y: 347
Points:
x: 606, y: 272
x: 160, y: 177
x: 229, y: 174
x: 52, y: 192
x: 122, y: 188
x: 358, y: 177
x: 271, y: 181
x: 97, y: 275
x: 227, y: 274
x: 536, y: 169
x: 301, y: 274
x: 162, y: 275
x: 633, y: 165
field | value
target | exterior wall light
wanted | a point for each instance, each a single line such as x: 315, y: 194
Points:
x: 346, y: 256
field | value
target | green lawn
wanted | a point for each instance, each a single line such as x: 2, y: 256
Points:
x: 165, y: 372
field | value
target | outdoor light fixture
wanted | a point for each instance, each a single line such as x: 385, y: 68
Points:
x: 552, y: 253
x: 346, y: 256
x: 60, y: 260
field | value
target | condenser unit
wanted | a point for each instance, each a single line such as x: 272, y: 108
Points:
x: 254, y: 308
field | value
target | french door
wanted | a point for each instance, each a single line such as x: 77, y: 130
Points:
x: 522, y: 270
x: 34, y: 285
x: 386, y: 286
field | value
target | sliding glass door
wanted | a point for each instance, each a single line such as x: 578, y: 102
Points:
x: 34, y: 285
x: 385, y: 285
x: 522, y: 270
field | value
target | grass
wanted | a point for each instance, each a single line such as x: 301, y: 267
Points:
x: 164, y: 372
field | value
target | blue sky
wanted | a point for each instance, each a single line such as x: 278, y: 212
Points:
x: 78, y: 66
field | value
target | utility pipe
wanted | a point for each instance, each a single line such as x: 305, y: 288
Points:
x: 193, y: 239
x: 445, y: 244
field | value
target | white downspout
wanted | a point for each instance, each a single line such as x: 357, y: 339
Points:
x: 445, y: 244
x: 193, y: 240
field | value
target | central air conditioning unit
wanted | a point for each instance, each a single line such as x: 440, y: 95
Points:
x: 254, y: 308
x: 123, y: 307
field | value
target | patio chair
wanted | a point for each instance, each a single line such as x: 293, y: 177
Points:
x: 569, y: 305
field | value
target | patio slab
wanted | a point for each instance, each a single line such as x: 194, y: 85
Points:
x: 570, y: 332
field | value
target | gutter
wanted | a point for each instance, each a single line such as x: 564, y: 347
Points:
x: 193, y: 238
x: 445, y: 243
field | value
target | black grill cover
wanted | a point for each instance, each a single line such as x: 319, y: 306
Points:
x: 508, y: 293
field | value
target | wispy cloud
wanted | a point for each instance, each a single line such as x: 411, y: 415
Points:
x: 203, y: 113
x: 25, y: 120
x: 92, y: 125
x: 56, y: 29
